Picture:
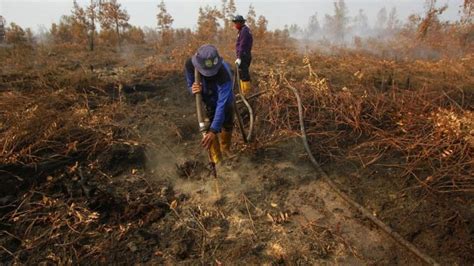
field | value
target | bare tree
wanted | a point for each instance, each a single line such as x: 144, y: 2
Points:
x: 230, y: 9
x: 2, y: 29
x: 83, y: 22
x: 225, y: 17
x: 79, y: 25
x: 392, y: 21
x: 431, y: 18
x: 92, y: 16
x: 262, y: 24
x: 313, y: 26
x: 164, y: 22
x: 361, y: 23
x: 113, y: 17
x: 467, y: 11
x: 251, y: 17
x: 381, y: 19
x: 208, y: 24
x: 336, y: 25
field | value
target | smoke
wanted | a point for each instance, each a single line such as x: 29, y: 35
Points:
x: 388, y: 37
x: 341, y: 29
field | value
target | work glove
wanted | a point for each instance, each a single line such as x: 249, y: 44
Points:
x: 238, y: 61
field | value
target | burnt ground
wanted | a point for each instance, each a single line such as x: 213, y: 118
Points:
x: 441, y: 225
x: 268, y: 205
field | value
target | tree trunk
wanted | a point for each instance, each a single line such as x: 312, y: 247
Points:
x: 2, y: 29
x: 92, y: 30
x: 92, y: 35
x: 118, y: 33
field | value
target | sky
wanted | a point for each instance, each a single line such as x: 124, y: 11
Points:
x: 37, y: 13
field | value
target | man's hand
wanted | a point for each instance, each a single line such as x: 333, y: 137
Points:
x: 238, y: 61
x: 208, y: 139
x: 196, y: 88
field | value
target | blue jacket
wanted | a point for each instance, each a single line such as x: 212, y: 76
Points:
x: 216, y: 93
x: 243, y: 46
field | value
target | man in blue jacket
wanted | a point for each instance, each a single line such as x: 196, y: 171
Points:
x: 217, y: 95
x: 243, y: 48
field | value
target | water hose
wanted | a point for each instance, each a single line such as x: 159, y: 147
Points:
x: 237, y: 114
x: 214, y: 152
x: 249, y: 135
x: 394, y: 235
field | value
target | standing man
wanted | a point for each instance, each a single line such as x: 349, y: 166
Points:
x: 243, y: 48
x: 217, y: 95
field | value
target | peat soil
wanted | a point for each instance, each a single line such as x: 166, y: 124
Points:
x: 267, y: 205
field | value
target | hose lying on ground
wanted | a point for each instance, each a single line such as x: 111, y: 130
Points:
x: 237, y: 114
x: 397, y: 237
x: 249, y: 135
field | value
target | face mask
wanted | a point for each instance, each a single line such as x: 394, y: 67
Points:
x: 238, y: 26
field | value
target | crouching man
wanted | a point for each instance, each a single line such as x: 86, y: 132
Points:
x: 217, y: 94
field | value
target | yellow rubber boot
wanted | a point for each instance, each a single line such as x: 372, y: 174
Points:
x: 226, y: 142
x: 215, y: 152
x: 245, y: 86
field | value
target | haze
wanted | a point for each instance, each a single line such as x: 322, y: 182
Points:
x: 36, y: 13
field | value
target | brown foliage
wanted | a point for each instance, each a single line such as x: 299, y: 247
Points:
x: 208, y: 24
x: 113, y: 18
x: 428, y: 127
x: 164, y: 22
x: 17, y: 36
x: 62, y: 132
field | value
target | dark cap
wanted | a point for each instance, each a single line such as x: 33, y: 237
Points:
x: 238, y: 18
x: 207, y: 60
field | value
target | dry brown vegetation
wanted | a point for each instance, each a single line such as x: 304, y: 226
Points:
x: 74, y: 132
x: 384, y: 109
